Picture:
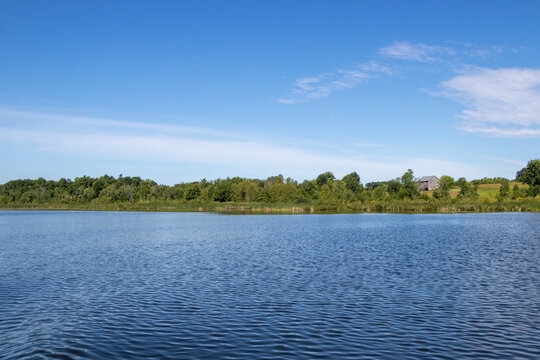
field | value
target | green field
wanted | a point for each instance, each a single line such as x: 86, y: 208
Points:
x: 485, y: 191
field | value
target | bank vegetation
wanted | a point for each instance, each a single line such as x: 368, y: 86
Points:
x: 276, y: 194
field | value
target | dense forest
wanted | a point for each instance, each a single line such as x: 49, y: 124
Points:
x: 325, y: 192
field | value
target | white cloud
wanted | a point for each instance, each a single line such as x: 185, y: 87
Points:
x: 480, y: 51
x: 177, y: 150
x: 33, y: 119
x: 320, y: 86
x: 498, y: 102
x: 375, y: 67
x: 287, y: 101
x: 416, y: 52
x: 109, y: 140
x: 484, y: 52
x: 502, y: 132
x: 371, y: 145
x: 508, y: 161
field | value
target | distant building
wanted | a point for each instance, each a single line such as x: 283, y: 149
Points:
x: 427, y: 183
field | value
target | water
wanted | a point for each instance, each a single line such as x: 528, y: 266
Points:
x: 180, y: 285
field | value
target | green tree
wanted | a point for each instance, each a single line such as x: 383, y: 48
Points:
x: 339, y: 190
x: 393, y: 187
x: 207, y: 193
x: 447, y: 181
x: 466, y: 190
x: 504, y: 190
x: 325, y: 178
x: 352, y: 182
x: 108, y: 194
x: 325, y: 195
x: 274, y: 180
x: 533, y: 190
x: 177, y: 191
x: 409, y: 188
x: 144, y: 192
x: 192, y: 192
x: 530, y: 174
x: 516, y: 192
x: 89, y: 194
x: 223, y: 190
x: 379, y: 193
x: 309, y: 189
x: 284, y: 193
x: 461, y: 182
x: 441, y: 193
x: 245, y: 191
x: 407, y: 177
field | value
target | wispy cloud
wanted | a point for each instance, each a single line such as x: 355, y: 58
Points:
x: 373, y: 145
x: 124, y: 140
x: 502, y: 132
x: 415, y: 52
x: 480, y: 51
x: 498, y: 102
x: 375, y: 67
x: 114, y: 141
x: 452, y: 53
x: 508, y: 161
x: 476, y: 51
x: 322, y: 85
x: 36, y: 120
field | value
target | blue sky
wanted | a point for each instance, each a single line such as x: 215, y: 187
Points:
x: 180, y: 91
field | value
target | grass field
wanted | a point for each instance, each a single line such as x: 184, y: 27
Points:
x: 486, y: 191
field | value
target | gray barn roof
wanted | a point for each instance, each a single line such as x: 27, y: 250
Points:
x: 426, y: 178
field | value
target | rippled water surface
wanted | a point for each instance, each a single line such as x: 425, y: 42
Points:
x: 108, y: 285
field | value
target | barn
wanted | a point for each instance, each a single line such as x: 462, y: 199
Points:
x: 427, y: 183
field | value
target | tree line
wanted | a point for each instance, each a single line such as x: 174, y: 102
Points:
x: 325, y: 188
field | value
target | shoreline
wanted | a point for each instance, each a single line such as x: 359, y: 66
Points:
x: 269, y: 209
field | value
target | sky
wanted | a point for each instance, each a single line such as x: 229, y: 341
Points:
x: 184, y: 90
